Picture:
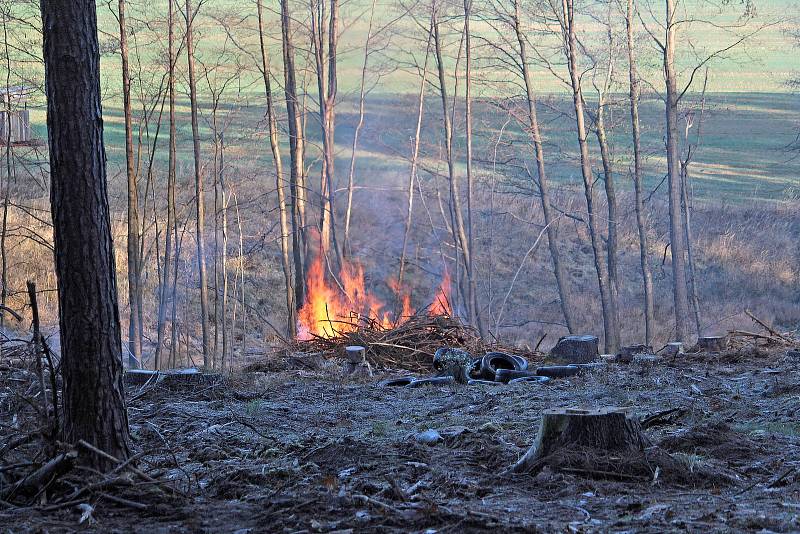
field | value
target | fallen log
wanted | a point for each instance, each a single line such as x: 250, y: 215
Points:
x: 38, y: 481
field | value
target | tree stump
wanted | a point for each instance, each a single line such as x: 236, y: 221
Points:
x: 562, y: 431
x: 628, y: 353
x: 673, y: 349
x: 575, y: 349
x: 712, y: 343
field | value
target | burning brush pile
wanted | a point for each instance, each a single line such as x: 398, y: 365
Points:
x: 341, y: 314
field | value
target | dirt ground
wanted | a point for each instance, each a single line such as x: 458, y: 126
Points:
x: 294, y: 451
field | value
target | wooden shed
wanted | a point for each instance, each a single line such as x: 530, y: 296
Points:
x: 18, y: 119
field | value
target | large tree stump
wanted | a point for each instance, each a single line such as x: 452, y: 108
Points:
x: 575, y: 349
x: 603, y: 430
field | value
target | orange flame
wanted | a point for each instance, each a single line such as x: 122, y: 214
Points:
x: 330, y: 310
x: 441, y: 303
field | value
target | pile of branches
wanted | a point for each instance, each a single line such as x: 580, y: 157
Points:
x: 771, y: 337
x: 409, y: 345
x: 38, y: 472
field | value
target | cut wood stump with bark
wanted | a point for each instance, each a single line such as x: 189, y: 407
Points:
x: 575, y: 349
x: 603, y: 430
x: 601, y: 443
x: 712, y: 343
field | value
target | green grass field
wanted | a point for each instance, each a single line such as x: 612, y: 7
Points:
x: 750, y: 120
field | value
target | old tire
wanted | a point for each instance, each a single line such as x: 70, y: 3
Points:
x: 507, y: 375
x: 558, y: 371
x: 537, y: 379
x: 403, y: 381
x: 492, y: 361
x: 432, y: 381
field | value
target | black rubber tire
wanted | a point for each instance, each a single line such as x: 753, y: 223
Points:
x: 492, y: 361
x: 523, y: 363
x: 537, y: 379
x: 403, y: 381
x: 506, y: 375
x: 558, y: 371
x: 432, y: 381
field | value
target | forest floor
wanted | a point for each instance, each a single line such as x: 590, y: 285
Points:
x: 297, y: 451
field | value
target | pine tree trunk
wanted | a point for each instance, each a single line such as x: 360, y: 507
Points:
x: 91, y: 345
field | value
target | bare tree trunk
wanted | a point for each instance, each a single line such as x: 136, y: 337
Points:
x: 459, y: 232
x: 164, y: 295
x: 562, y: 282
x: 611, y: 198
x: 173, y: 350
x: 647, y: 277
x: 296, y: 152
x: 9, y: 171
x: 134, y: 331
x: 686, y: 208
x: 224, y: 208
x: 412, y: 175
x: 676, y: 231
x: 208, y: 357
x: 571, y: 46
x: 91, y: 357
x: 475, y: 317
x: 361, y: 97
x: 279, y: 184
x: 325, y: 61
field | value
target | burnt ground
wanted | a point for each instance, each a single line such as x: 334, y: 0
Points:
x: 294, y: 451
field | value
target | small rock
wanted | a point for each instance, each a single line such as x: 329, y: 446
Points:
x: 428, y: 437
x: 575, y: 349
x: 793, y: 353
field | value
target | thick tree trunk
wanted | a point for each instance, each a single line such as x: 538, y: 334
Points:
x: 296, y: 152
x: 199, y: 189
x: 91, y: 358
x: 562, y: 283
x: 135, y: 340
x: 676, y: 232
x: 571, y: 46
x: 647, y: 277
